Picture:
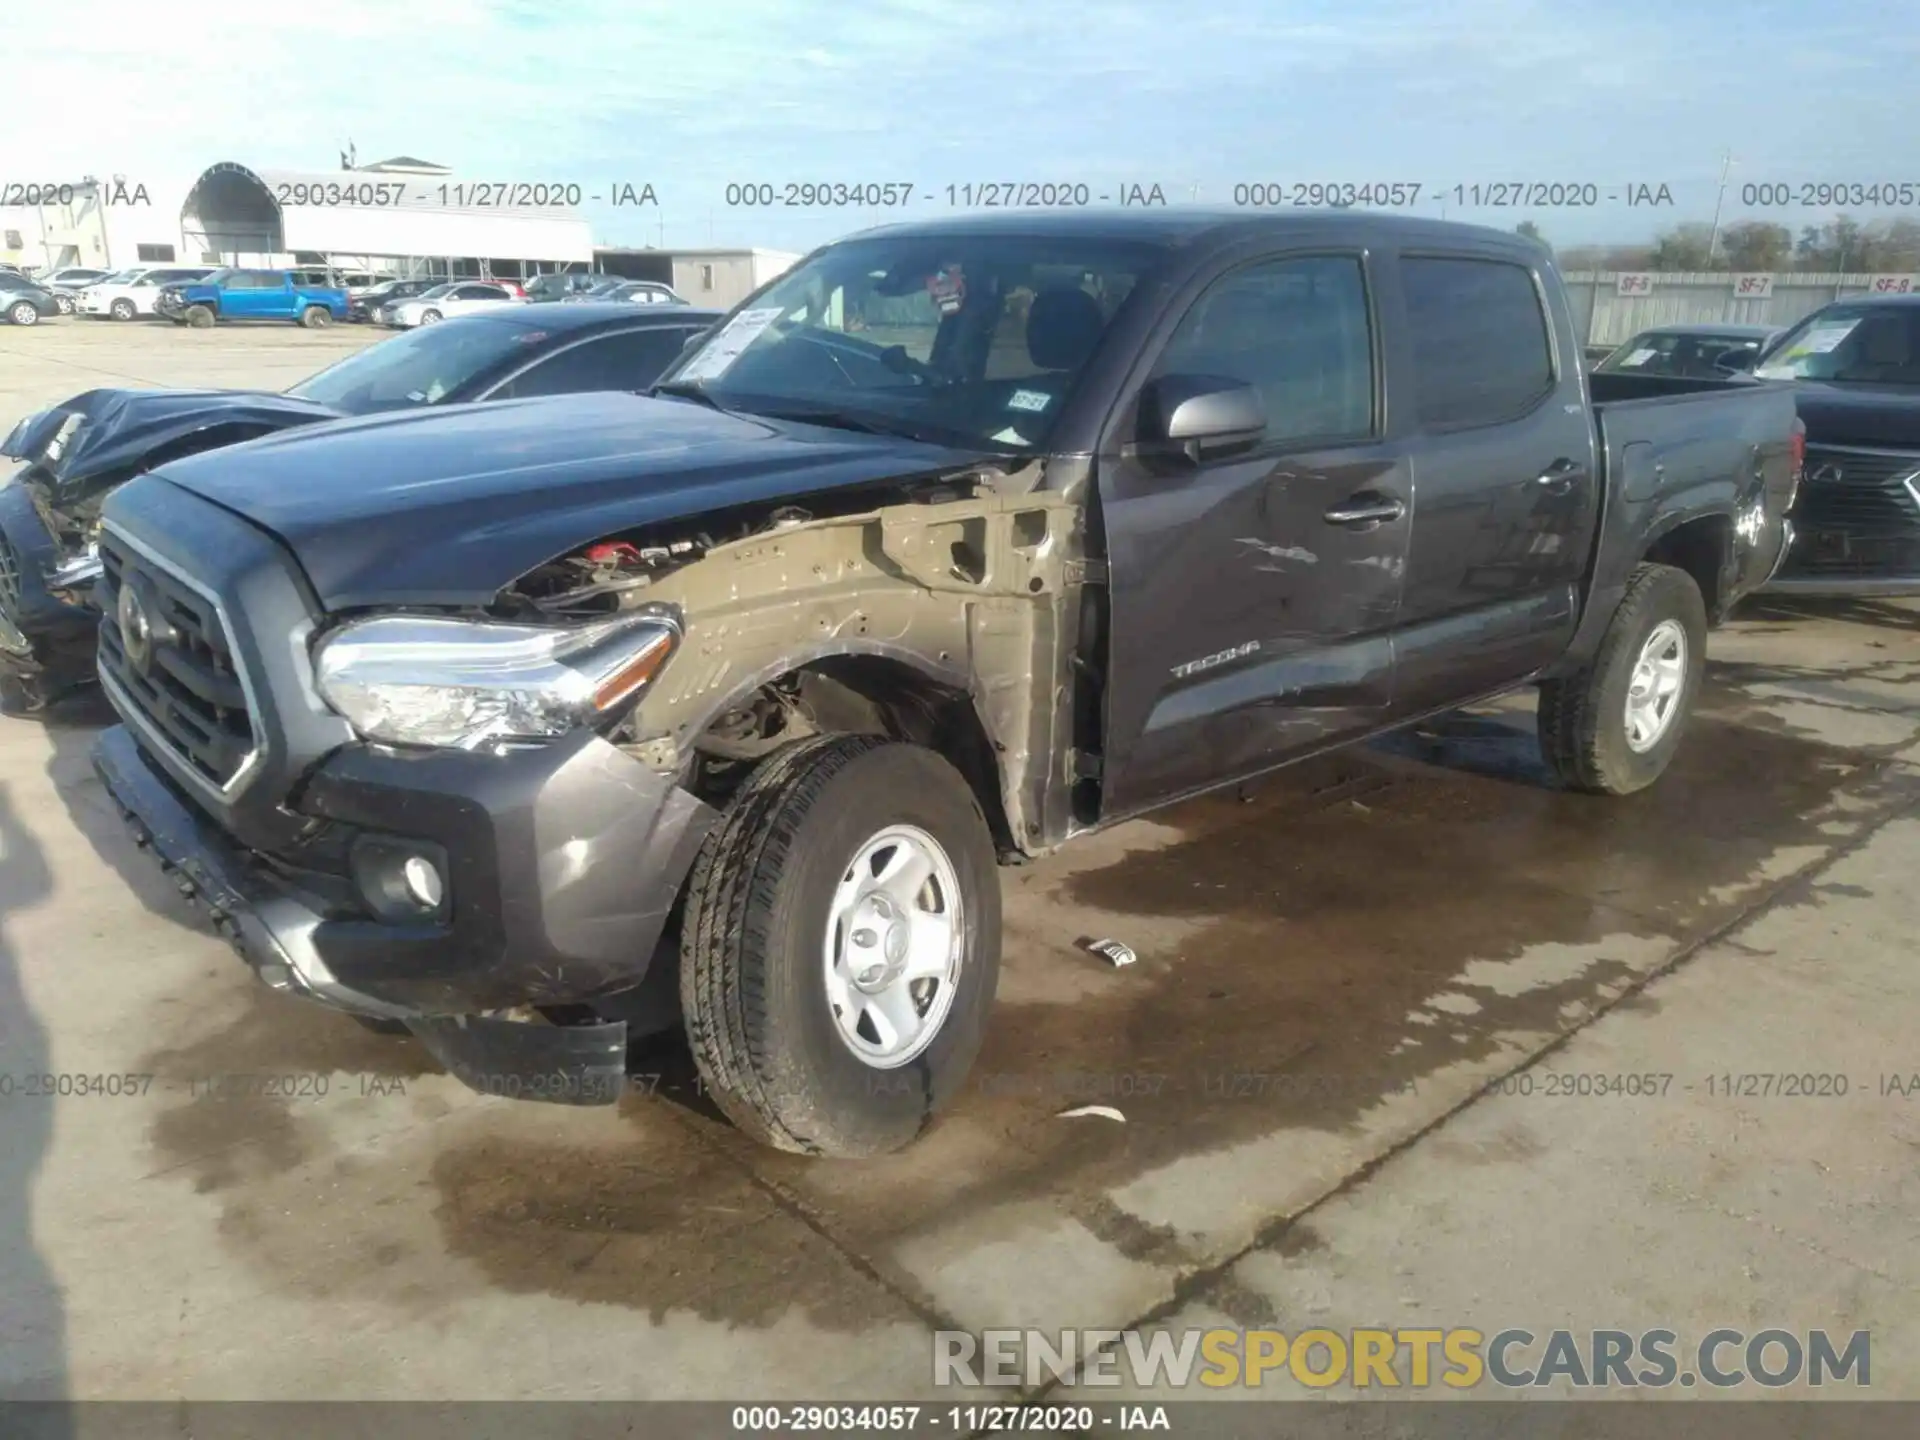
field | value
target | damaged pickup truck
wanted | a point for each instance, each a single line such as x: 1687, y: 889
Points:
x: 533, y: 726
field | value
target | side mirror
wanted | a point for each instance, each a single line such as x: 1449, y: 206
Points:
x: 1201, y: 415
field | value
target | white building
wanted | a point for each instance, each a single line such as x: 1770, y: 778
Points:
x: 719, y: 278
x: 400, y: 215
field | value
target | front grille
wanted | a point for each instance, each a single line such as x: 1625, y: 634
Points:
x: 9, y: 579
x: 190, y: 690
x: 1860, y: 492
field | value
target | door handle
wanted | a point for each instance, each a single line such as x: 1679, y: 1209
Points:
x: 1558, y: 478
x: 1366, y: 510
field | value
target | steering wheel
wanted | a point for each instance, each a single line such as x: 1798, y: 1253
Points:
x: 896, y: 359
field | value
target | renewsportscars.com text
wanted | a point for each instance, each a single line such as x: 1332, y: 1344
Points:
x: 1415, y: 1359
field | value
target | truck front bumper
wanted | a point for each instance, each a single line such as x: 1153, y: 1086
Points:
x: 559, y: 869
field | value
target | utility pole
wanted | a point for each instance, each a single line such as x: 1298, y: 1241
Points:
x: 1713, y: 235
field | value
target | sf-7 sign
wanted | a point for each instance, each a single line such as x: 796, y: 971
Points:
x: 1752, y: 287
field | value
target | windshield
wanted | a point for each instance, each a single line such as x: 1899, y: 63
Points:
x: 973, y: 340
x: 1658, y: 353
x: 435, y: 293
x: 1849, y: 344
x: 421, y: 367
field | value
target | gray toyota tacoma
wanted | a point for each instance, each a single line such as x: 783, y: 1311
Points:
x: 532, y: 726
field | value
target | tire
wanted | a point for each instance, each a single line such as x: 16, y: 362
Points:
x: 23, y: 312
x: 316, y: 317
x: 756, y: 941
x: 200, y: 317
x: 427, y: 317
x: 122, y: 310
x: 1586, y: 733
x: 65, y: 304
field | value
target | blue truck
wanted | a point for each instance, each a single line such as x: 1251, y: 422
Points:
x: 234, y: 294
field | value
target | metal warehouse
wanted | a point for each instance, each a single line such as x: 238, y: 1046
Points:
x: 401, y: 215
x: 380, y: 215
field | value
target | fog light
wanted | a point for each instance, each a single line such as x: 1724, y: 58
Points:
x: 423, y: 882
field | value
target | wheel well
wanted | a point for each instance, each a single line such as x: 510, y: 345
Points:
x: 874, y: 695
x: 1701, y: 548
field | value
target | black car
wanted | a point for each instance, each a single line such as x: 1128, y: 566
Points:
x: 79, y: 452
x: 26, y: 302
x: 1704, y: 352
x: 1856, y: 523
x: 366, y: 305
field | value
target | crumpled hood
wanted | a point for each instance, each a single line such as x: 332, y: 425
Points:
x: 1884, y: 416
x: 448, y: 505
x: 119, y: 430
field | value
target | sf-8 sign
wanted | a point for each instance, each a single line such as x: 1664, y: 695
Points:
x: 1893, y: 284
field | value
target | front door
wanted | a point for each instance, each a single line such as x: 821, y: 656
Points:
x: 1253, y: 597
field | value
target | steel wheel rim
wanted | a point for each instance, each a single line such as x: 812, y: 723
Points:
x: 896, y: 935
x: 1653, y: 690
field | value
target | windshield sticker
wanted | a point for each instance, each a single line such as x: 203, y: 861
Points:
x: 716, y: 357
x: 1823, y: 338
x: 1029, y: 400
x: 1009, y: 436
x: 1638, y: 357
x: 948, y: 287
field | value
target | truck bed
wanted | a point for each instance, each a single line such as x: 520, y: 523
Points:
x: 1673, y: 449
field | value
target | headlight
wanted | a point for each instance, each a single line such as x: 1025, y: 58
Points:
x: 464, y: 684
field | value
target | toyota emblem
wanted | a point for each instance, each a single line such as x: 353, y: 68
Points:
x: 136, y: 630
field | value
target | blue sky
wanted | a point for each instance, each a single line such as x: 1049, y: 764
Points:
x: 1195, y: 96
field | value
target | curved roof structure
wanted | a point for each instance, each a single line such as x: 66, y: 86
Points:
x: 357, y: 212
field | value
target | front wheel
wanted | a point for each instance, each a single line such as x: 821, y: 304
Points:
x: 121, y: 310
x: 841, y: 946
x: 65, y: 304
x: 200, y: 317
x: 24, y: 312
x: 427, y: 317
x: 1613, y: 727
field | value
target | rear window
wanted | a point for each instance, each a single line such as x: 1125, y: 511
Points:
x: 1481, y: 348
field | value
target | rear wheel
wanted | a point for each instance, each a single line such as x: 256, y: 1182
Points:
x: 316, y: 317
x: 200, y: 317
x: 841, y: 946
x: 1613, y: 728
x: 23, y: 312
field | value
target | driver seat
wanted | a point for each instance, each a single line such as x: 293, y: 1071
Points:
x: 1063, y: 326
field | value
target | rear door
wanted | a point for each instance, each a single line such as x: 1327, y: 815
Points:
x: 1504, y: 473
x: 1253, y: 596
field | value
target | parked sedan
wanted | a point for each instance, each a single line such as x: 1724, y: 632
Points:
x: 443, y: 302
x: 631, y: 292
x: 132, y: 292
x: 365, y: 305
x: 67, y: 282
x: 1704, y: 352
x: 24, y: 301
x: 77, y: 453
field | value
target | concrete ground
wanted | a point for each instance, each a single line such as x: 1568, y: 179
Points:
x: 1332, y: 970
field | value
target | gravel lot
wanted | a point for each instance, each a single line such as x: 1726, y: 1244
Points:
x: 1332, y: 968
